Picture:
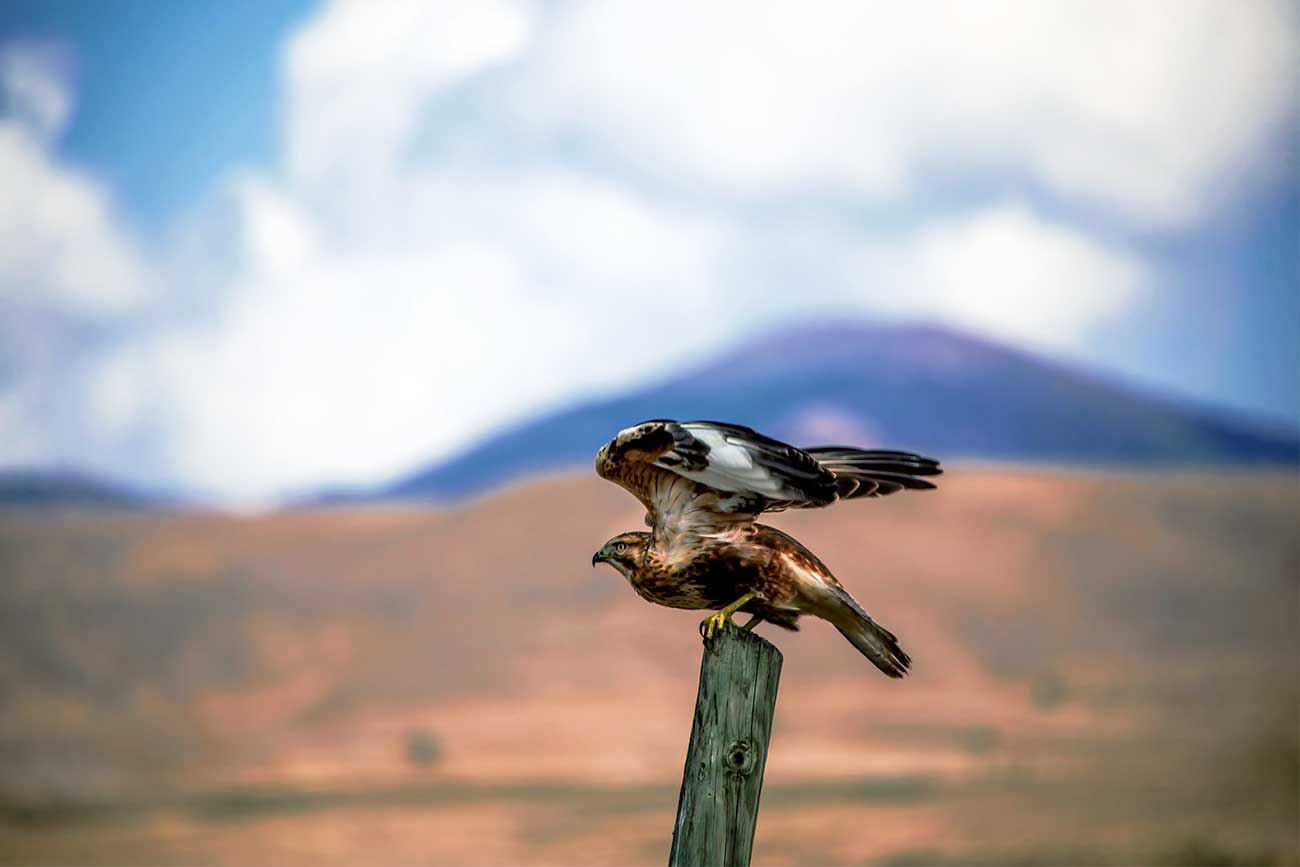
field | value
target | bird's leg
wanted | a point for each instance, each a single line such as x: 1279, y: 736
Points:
x: 716, y: 621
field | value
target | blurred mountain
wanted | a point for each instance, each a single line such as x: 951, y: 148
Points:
x: 921, y: 388
x: 59, y: 487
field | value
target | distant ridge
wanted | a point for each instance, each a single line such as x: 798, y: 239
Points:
x: 926, y: 389
x: 62, y: 487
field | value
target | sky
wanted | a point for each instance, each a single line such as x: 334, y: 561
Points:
x: 247, y: 249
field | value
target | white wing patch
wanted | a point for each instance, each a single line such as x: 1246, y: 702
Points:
x: 730, y: 467
x: 721, y: 451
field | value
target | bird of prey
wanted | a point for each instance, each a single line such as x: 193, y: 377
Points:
x: 705, y: 483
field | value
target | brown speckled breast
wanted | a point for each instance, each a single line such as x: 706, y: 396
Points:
x: 717, y: 573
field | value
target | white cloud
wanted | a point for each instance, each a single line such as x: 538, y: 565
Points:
x: 487, y: 295
x: 359, y: 74
x: 1003, y: 272
x: 1150, y: 111
x: 34, y: 89
x: 59, y: 246
x: 438, y: 254
x: 66, y: 267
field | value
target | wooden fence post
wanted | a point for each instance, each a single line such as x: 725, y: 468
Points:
x: 718, y: 806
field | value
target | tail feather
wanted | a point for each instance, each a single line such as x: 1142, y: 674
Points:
x: 872, y: 640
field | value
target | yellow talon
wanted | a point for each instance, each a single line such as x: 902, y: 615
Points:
x: 714, y: 622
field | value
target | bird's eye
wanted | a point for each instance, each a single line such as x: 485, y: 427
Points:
x: 619, y: 546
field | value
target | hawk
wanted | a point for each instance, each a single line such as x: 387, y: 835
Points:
x: 705, y: 483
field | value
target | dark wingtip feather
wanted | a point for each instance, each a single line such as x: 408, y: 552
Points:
x: 884, y: 459
x: 889, y: 471
x: 912, y: 483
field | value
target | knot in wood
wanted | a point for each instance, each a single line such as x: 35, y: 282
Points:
x: 739, y: 757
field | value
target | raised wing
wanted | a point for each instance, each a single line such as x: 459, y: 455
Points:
x: 702, y: 477
x: 661, y: 463
x: 727, y: 459
x: 738, y: 460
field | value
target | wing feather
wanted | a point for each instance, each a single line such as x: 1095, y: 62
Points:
x: 877, y: 472
x: 655, y: 461
x: 704, y: 477
x: 740, y: 460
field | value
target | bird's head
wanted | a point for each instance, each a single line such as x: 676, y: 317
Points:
x: 623, y: 552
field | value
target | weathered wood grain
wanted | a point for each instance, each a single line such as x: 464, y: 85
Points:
x: 718, y: 807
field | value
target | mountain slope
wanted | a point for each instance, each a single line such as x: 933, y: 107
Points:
x: 923, y: 389
x: 33, y: 487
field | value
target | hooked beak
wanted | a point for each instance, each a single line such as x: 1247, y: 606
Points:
x: 598, y: 557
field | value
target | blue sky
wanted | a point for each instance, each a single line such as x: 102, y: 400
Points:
x: 169, y: 95
x: 269, y: 245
